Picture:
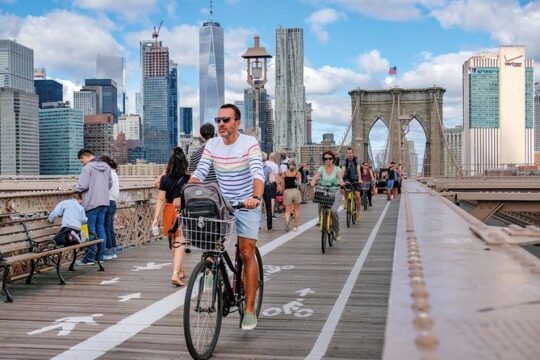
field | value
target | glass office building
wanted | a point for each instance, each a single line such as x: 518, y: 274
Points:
x: 172, y: 123
x: 186, y: 120
x: 60, y: 138
x: 290, y: 91
x: 211, y: 71
x: 49, y: 91
x: 156, y: 102
x: 16, y: 66
x: 498, y: 110
x: 106, y: 95
x: 114, y: 67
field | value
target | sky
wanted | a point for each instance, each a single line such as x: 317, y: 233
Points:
x: 348, y: 44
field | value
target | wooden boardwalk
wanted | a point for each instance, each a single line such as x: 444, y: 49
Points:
x: 330, y: 306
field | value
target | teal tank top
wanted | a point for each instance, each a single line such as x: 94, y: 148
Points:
x: 329, y: 180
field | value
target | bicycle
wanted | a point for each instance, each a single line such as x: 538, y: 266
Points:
x: 210, y: 295
x: 350, y: 201
x: 365, y: 187
x: 325, y: 196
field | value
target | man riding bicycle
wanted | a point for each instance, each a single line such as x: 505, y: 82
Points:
x: 239, y: 170
x: 351, y: 175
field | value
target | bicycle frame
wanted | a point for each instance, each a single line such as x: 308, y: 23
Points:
x: 325, y: 210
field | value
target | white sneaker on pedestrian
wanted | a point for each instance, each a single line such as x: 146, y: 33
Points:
x: 338, y: 238
x: 107, y: 257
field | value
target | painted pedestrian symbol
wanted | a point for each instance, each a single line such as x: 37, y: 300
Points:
x: 67, y: 324
x: 150, y: 266
x: 110, y: 282
x: 295, y: 307
x: 272, y: 269
x: 128, y: 297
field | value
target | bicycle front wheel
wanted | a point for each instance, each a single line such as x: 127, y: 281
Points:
x: 324, y: 230
x: 349, y: 211
x: 203, y: 311
x: 365, y: 200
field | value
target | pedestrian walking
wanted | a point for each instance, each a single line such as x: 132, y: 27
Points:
x: 170, y: 189
x: 114, y: 196
x: 207, y: 132
x: 292, y: 197
x: 94, y: 183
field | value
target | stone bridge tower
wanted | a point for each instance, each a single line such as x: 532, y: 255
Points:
x: 396, y: 108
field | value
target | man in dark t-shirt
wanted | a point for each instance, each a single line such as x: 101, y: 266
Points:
x: 207, y: 132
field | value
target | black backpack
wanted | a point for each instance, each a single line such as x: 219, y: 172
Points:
x: 205, y: 201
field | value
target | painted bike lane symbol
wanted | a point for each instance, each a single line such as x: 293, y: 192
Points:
x: 273, y: 269
x: 295, y: 307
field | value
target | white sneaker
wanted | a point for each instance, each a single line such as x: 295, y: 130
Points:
x: 338, y: 238
x: 114, y: 256
x: 107, y: 257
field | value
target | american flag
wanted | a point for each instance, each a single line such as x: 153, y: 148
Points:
x: 392, y: 70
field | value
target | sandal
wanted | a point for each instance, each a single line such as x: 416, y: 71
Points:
x: 176, y: 279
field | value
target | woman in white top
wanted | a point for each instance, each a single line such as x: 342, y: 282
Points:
x: 114, y: 195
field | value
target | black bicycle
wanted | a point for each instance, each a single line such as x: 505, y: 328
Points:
x: 210, y: 294
x: 365, y: 187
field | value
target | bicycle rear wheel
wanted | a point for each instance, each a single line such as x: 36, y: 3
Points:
x: 202, y: 314
x: 365, y: 200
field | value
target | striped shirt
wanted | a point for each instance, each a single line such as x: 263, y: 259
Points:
x: 194, y: 162
x: 236, y: 165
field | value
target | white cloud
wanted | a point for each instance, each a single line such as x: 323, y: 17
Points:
x: 329, y: 80
x: 60, y: 53
x: 394, y: 10
x: 132, y: 10
x: 372, y: 62
x: 320, y: 19
x: 507, y: 21
x: 69, y: 87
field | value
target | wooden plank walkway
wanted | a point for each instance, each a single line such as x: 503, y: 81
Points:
x: 149, y: 325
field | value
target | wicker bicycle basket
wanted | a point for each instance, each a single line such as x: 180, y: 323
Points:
x: 207, y: 233
x: 325, y: 195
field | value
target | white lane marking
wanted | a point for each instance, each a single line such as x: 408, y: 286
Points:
x: 327, y: 332
x: 67, y: 324
x: 150, y: 266
x: 108, y: 339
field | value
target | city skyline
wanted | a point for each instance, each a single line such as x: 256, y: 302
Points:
x: 405, y: 34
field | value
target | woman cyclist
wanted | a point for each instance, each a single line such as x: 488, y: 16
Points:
x: 330, y: 175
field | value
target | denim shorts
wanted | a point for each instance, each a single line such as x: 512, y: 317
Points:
x: 248, y: 222
x: 390, y: 184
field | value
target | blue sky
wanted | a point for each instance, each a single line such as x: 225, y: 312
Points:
x: 348, y: 43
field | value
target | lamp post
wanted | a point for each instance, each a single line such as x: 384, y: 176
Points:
x: 256, y: 59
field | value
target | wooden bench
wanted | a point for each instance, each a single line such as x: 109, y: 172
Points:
x: 29, y: 243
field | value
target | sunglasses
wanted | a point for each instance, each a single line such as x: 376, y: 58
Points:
x: 328, y: 158
x: 224, y: 119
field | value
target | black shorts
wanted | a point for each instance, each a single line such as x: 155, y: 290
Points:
x: 355, y: 184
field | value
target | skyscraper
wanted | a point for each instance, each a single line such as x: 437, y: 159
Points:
x: 186, y: 120
x: 60, y: 138
x: 267, y: 129
x: 497, y: 110
x: 49, y: 91
x: 19, y: 124
x: 106, y: 95
x: 537, y: 118
x: 16, y: 66
x: 452, y: 154
x: 98, y: 134
x: 290, y: 91
x: 86, y: 100
x: 211, y: 70
x: 156, y: 101
x: 173, y: 104
x: 309, y: 121
x: 113, y: 67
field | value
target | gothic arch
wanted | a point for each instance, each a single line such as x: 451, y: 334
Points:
x: 396, y: 107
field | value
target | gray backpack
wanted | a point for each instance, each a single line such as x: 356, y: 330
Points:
x: 204, y: 201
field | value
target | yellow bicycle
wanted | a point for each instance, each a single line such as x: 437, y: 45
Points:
x: 350, y: 203
x: 325, y: 196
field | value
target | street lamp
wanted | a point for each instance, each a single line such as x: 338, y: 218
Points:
x: 257, y: 67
